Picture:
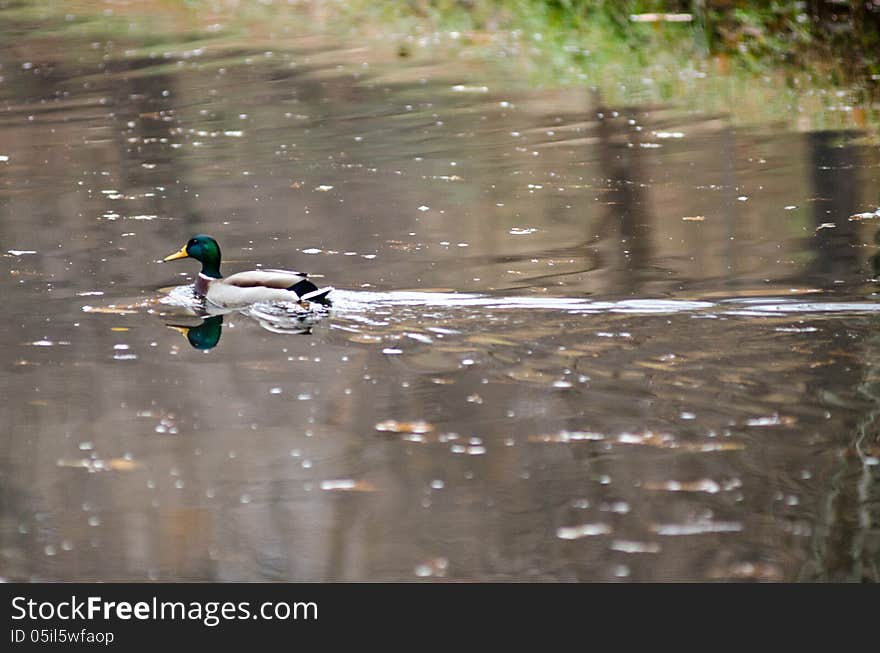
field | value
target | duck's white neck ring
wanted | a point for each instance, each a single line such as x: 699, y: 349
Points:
x: 202, y: 282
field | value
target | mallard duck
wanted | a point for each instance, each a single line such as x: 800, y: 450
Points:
x: 245, y: 288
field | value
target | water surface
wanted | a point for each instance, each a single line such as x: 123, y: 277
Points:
x: 571, y: 341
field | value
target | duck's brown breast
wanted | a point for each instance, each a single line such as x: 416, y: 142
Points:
x: 202, y: 285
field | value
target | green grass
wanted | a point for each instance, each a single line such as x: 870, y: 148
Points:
x: 754, y: 63
x: 765, y: 66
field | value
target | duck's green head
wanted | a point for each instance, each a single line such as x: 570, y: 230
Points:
x: 203, y: 249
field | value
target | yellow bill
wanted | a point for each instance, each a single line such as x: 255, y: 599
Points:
x: 181, y: 254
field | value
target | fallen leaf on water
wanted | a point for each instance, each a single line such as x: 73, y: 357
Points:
x: 347, y: 485
x: 490, y: 340
x: 114, y: 310
x: 662, y: 366
x: 122, y: 464
x: 694, y: 218
x: 124, y: 309
x: 98, y: 465
x: 527, y: 375
x: 393, y: 426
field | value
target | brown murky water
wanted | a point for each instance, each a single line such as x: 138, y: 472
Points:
x: 570, y: 341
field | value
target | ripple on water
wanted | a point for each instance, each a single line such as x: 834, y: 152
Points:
x: 699, y: 527
x: 583, y: 530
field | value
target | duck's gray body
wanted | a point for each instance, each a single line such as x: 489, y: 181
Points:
x: 245, y: 288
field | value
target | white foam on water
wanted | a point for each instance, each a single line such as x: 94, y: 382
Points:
x: 817, y: 307
x: 364, y: 300
x: 376, y: 308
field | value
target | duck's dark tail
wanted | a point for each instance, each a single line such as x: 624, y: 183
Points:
x: 303, y: 287
x: 307, y: 291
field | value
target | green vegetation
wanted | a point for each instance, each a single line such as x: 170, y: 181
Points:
x: 839, y: 37
x: 815, y: 61
x: 816, y: 64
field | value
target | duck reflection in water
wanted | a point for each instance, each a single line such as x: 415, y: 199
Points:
x: 203, y: 336
x: 207, y: 334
